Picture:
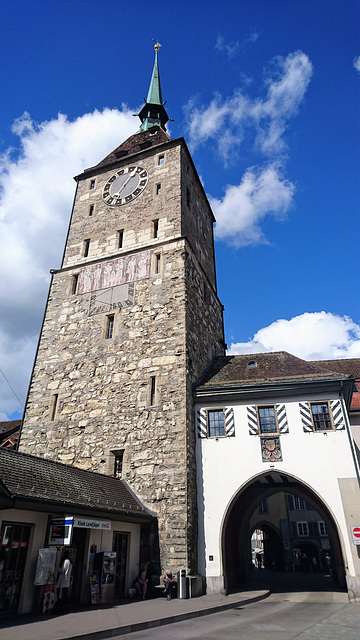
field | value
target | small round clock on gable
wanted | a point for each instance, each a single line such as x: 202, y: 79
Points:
x: 125, y: 185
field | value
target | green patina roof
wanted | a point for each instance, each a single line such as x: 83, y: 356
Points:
x: 154, y: 94
x: 153, y: 113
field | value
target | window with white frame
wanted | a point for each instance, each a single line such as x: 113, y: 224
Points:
x: 321, y: 416
x: 267, y: 419
x: 322, y: 528
x: 299, y: 503
x: 302, y: 528
x: 216, y: 423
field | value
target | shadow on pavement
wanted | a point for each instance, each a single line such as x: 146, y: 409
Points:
x: 280, y: 582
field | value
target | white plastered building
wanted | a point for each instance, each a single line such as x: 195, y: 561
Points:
x: 270, y: 423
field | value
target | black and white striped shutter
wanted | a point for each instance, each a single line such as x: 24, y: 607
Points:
x: 252, y: 420
x: 282, y: 419
x: 305, y: 413
x: 337, y: 413
x: 201, y: 423
x: 229, y: 422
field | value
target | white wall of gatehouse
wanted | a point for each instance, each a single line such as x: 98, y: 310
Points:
x: 225, y: 465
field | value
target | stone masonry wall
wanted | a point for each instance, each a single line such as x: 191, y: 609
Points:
x: 90, y: 395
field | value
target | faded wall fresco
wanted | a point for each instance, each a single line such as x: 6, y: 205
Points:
x: 112, y: 273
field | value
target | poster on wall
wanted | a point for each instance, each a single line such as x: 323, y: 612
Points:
x: 94, y: 587
x: 45, y: 567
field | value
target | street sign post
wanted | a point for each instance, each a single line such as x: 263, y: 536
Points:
x: 355, y: 532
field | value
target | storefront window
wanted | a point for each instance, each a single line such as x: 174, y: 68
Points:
x: 13, y: 551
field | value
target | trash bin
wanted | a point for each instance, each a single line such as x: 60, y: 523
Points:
x: 182, y: 584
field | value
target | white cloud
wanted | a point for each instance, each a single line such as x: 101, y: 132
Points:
x: 311, y: 336
x: 36, y: 192
x: 261, y: 192
x: 253, y: 37
x: 356, y: 63
x: 268, y: 116
x: 230, y: 48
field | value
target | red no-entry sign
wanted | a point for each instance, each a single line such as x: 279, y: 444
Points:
x: 355, y: 532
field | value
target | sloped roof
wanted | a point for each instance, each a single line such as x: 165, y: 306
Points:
x: 344, y: 365
x: 136, y: 143
x: 350, y: 366
x: 264, y: 367
x: 9, y: 432
x: 8, y: 425
x: 37, y: 479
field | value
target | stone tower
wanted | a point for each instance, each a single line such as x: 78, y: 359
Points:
x: 132, y: 321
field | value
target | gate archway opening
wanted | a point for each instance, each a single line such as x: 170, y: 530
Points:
x: 237, y: 557
x: 271, y: 555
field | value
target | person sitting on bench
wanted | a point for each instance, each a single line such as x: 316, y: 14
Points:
x: 168, y: 580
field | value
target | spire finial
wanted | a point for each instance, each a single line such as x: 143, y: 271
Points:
x: 153, y: 112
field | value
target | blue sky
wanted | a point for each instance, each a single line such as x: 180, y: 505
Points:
x: 266, y: 94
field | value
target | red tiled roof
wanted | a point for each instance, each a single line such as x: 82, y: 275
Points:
x: 344, y: 365
x: 9, y: 428
x: 9, y: 424
x: 136, y: 143
x: 350, y: 366
x: 265, y: 367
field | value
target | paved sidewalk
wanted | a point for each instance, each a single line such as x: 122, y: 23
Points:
x: 100, y: 622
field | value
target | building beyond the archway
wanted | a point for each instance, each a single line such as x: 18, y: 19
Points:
x: 268, y: 424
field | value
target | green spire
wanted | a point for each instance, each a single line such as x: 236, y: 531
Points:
x: 154, y: 94
x: 153, y: 113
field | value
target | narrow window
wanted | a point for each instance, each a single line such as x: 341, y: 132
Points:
x: 92, y: 184
x: 161, y: 161
x: 321, y: 416
x: 302, y: 528
x: 91, y: 210
x: 109, y: 326
x: 86, y: 247
x: 157, y: 262
x: 120, y: 235
x: 299, y: 503
x: 188, y: 197
x: 322, y: 528
x: 262, y: 507
x: 267, y: 419
x: 158, y: 189
x: 155, y: 228
x: 118, y: 463
x: 152, y: 391
x: 54, y: 404
x: 216, y: 425
x: 75, y: 280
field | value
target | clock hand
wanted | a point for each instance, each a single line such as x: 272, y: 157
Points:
x: 125, y: 183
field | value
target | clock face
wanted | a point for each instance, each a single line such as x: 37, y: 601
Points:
x: 125, y: 185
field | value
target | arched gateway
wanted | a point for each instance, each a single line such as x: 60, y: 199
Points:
x: 236, y: 529
x: 275, y: 451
